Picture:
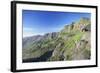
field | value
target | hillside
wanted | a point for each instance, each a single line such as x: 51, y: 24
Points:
x: 73, y: 42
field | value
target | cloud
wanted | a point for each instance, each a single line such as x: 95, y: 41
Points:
x: 27, y: 31
x: 27, y: 34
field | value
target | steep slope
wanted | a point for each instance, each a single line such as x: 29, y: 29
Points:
x: 39, y: 46
x: 29, y: 40
x: 71, y: 43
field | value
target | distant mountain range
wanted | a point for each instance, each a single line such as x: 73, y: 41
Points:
x: 73, y: 42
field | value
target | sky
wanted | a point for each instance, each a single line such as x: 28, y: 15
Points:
x: 41, y: 22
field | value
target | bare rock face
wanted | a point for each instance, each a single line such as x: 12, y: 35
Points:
x: 57, y: 49
x: 87, y: 28
x: 51, y: 35
x: 82, y: 49
x: 82, y: 23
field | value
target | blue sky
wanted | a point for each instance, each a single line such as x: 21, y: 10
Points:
x: 41, y: 22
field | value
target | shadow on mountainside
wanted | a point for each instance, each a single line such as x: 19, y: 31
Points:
x: 42, y: 58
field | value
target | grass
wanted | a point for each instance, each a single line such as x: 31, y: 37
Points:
x: 70, y: 44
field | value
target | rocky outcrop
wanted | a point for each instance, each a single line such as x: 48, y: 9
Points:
x: 51, y: 35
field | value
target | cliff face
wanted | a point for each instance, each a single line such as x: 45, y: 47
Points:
x: 71, y: 43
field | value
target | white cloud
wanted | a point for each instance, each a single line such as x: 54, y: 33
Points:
x: 27, y: 34
x: 27, y: 31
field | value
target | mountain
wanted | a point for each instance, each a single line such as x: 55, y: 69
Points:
x: 29, y: 40
x: 73, y: 42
